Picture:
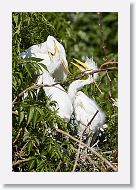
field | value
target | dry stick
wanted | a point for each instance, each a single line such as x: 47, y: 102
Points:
x: 90, y: 148
x: 96, y: 71
x: 58, y: 167
x: 89, y: 159
x: 20, y: 161
x: 78, y: 152
x: 21, y: 94
x: 97, y: 87
x: 17, y: 135
x: 89, y: 123
x: 107, y: 63
x: 34, y: 86
x: 15, y: 113
x: 110, y: 83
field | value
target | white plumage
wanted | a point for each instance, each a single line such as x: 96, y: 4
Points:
x: 84, y: 107
x: 53, y: 55
x: 54, y: 58
x: 57, y: 93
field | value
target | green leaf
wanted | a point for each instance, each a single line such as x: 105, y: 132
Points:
x: 40, y: 111
x: 27, y: 70
x: 15, y: 19
x: 35, y: 117
x: 32, y: 164
x: 37, y: 141
x: 21, y: 117
x: 26, y: 136
x: 34, y: 59
x: 42, y: 65
x: 30, y: 146
x: 30, y: 115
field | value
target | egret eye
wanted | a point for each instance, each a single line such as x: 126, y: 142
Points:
x: 50, y: 55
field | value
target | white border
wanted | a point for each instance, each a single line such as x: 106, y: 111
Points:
x: 120, y: 177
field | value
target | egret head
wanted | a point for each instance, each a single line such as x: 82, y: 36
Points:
x: 52, y: 46
x: 86, y: 67
x: 56, y: 53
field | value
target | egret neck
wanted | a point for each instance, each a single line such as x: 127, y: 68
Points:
x: 75, y: 86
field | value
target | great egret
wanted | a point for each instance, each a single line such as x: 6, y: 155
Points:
x: 57, y: 93
x: 53, y: 55
x: 54, y: 58
x: 85, y: 107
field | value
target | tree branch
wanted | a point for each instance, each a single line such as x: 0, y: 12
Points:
x: 58, y: 167
x: 90, y: 148
x: 20, y: 161
x: 78, y: 153
x: 34, y: 86
x: 90, y: 160
x: 18, y: 134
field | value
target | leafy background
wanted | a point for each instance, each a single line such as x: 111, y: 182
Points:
x: 36, y: 145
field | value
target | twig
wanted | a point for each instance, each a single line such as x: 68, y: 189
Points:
x: 97, y: 87
x: 58, y: 167
x: 107, y: 63
x: 34, y: 86
x: 15, y: 113
x: 90, y: 148
x: 89, y: 159
x: 78, y: 153
x: 89, y: 123
x: 20, y: 161
x: 110, y: 84
x: 96, y: 71
x: 17, y: 135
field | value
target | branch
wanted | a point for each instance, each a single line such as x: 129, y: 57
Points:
x: 107, y: 63
x: 17, y: 136
x: 82, y: 74
x: 89, y: 159
x: 20, y: 161
x: 34, y: 86
x: 58, y: 167
x: 78, y: 153
x: 89, y: 123
x: 90, y: 148
x: 15, y: 113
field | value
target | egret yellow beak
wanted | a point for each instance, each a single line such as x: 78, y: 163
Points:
x: 57, y: 52
x: 66, y: 68
x: 82, y: 66
x: 56, y: 48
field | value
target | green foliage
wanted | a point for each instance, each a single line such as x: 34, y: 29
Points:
x: 35, y: 139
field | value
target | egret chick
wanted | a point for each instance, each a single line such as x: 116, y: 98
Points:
x: 85, y: 107
x: 58, y: 94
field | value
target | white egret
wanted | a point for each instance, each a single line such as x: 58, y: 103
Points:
x: 85, y: 107
x: 57, y: 93
x: 53, y: 55
x: 54, y: 58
